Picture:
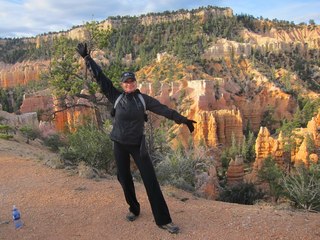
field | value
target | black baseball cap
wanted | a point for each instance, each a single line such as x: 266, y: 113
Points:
x: 127, y: 75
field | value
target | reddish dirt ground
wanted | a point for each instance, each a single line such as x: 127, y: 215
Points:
x: 58, y: 204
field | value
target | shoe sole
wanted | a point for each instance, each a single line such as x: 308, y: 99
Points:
x: 173, y: 231
x: 131, y: 218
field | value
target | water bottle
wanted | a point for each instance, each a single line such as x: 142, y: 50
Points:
x: 16, y: 217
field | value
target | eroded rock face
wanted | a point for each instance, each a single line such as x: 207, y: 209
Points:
x: 220, y: 114
x: 266, y: 146
x: 69, y: 118
x: 203, y: 14
x: 216, y: 121
x: 207, y: 184
x: 303, y: 38
x: 235, y: 172
x: 222, y: 48
x: 40, y: 102
x: 269, y: 98
x: 313, y: 127
x: 12, y: 75
x: 311, y: 134
x: 284, y: 40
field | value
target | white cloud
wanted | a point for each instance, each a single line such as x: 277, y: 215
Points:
x: 32, y: 17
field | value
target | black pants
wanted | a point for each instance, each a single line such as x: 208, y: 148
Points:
x: 158, y: 204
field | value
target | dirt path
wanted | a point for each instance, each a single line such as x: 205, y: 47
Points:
x: 56, y: 204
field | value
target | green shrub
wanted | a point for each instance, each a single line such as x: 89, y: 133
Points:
x: 243, y: 193
x: 54, y: 142
x: 89, y: 144
x: 5, y: 136
x: 5, y: 129
x: 272, y: 174
x: 178, y: 169
x: 302, y: 187
x: 29, y: 132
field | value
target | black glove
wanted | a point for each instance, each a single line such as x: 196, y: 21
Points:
x: 189, y: 124
x: 82, y: 49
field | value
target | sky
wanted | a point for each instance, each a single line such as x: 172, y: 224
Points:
x: 28, y: 18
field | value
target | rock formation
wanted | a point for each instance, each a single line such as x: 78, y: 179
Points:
x: 40, y: 102
x: 235, y: 172
x: 285, y: 40
x: 269, y: 97
x: 207, y: 184
x: 15, y: 121
x: 215, y: 124
x: 310, y: 133
x: 223, y: 48
x: 70, y: 116
x: 264, y: 147
x: 267, y: 146
x: 203, y: 14
x: 21, y: 73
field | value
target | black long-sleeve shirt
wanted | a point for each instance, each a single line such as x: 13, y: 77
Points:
x: 128, y: 126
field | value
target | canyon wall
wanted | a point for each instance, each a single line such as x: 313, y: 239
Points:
x: 12, y: 75
x: 79, y: 33
x: 216, y: 124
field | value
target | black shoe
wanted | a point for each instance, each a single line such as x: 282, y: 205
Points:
x: 131, y: 217
x: 170, y: 227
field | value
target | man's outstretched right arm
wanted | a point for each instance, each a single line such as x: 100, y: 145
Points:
x: 105, y: 83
